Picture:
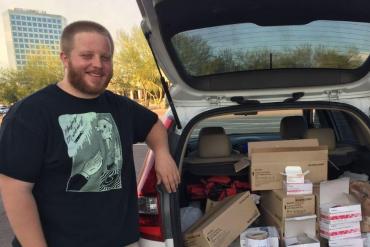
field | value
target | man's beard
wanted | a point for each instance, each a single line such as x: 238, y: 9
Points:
x: 77, y: 81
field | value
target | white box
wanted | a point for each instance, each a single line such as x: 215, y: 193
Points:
x: 298, y: 189
x: 302, y: 241
x: 348, y: 242
x: 294, y: 175
x: 270, y: 231
x: 336, y: 205
x: 340, y: 230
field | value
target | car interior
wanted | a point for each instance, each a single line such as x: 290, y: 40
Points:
x: 212, y: 152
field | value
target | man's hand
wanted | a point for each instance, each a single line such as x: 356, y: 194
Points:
x: 166, y: 170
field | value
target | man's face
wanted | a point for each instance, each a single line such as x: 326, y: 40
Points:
x: 89, y: 64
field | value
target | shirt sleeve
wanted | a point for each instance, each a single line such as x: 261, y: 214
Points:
x: 143, y: 121
x: 21, y: 150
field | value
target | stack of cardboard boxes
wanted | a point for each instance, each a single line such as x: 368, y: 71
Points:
x: 340, y: 214
x: 287, y: 200
x: 284, y: 173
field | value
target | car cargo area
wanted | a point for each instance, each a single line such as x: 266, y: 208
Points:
x: 296, y: 176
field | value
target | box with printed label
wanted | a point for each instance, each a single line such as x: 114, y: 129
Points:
x: 298, y: 189
x: 284, y: 206
x: 267, y: 164
x: 348, y: 242
x: 340, y: 230
x: 223, y: 223
x: 336, y: 205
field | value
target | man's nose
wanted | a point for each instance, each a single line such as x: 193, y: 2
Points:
x: 97, y: 62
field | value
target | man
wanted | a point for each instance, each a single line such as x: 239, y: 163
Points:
x: 67, y: 177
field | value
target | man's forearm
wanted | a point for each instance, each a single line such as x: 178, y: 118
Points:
x: 24, y: 218
x: 157, y: 138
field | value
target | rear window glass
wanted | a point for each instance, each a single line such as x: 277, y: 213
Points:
x: 263, y: 122
x: 244, y: 47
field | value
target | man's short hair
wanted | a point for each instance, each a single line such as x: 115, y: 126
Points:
x: 66, y: 40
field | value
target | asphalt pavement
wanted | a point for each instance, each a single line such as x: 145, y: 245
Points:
x: 6, y: 234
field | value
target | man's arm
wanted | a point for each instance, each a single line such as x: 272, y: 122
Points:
x: 167, y: 172
x: 21, y: 209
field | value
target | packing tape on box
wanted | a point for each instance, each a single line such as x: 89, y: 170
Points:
x: 257, y: 239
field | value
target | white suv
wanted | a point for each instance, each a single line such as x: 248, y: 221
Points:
x: 253, y: 71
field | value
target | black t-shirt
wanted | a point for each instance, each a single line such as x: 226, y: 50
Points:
x: 78, y: 153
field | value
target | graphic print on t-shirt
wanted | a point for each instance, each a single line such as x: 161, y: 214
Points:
x: 94, y: 145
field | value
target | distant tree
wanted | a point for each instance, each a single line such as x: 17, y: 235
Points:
x: 41, y: 69
x: 330, y: 58
x: 195, y: 54
x: 135, y: 68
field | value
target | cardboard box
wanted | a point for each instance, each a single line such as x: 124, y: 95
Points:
x: 302, y: 241
x: 294, y: 175
x: 283, y: 206
x: 340, y: 230
x: 291, y: 227
x: 268, y: 164
x: 260, y: 236
x: 298, y: 189
x: 336, y: 205
x: 252, y: 146
x: 223, y: 223
x: 349, y: 242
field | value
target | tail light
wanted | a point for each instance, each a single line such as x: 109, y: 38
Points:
x: 150, y: 223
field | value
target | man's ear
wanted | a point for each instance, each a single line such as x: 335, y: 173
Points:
x: 64, y: 58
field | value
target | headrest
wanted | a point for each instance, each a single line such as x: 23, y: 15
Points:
x: 293, y: 127
x: 325, y: 136
x: 213, y: 143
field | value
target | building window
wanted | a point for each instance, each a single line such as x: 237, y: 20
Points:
x: 18, y: 23
x: 28, y: 18
x: 23, y: 17
x: 34, y: 18
x: 24, y: 23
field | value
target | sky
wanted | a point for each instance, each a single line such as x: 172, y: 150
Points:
x: 115, y: 15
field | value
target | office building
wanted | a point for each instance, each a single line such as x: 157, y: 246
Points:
x: 29, y: 32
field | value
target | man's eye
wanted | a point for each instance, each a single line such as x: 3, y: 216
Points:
x: 86, y: 56
x: 106, y: 58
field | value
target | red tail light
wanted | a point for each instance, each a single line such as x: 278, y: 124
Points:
x: 148, y: 198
